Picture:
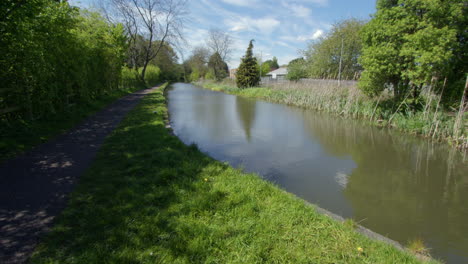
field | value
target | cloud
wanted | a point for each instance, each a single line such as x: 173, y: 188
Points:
x: 265, y: 25
x: 318, y: 2
x: 317, y: 34
x: 298, y: 10
x: 239, y: 2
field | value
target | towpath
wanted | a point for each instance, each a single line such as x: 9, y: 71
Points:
x: 34, y: 187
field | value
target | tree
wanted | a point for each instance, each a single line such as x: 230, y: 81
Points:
x: 265, y: 68
x: 272, y: 65
x: 411, y: 43
x: 166, y: 60
x: 220, y: 42
x: 248, y: 74
x: 196, y: 65
x: 297, y: 69
x: 336, y: 54
x: 218, y: 67
x: 157, y: 21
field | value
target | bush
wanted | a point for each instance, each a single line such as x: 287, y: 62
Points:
x: 152, y: 75
x: 130, y: 79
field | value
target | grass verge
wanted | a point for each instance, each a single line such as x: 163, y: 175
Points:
x: 148, y: 198
x: 19, y: 136
x: 428, y: 119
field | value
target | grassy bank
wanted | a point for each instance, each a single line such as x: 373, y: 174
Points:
x: 148, y: 198
x: 18, y: 136
x: 427, y: 118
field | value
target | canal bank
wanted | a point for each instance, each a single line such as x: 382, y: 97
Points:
x: 407, y: 188
x: 150, y: 198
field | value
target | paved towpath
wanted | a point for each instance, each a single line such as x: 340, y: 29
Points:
x: 34, y: 186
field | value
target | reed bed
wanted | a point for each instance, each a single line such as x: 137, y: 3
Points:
x: 426, y: 117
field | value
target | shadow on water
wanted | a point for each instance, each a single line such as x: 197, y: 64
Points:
x: 401, y: 186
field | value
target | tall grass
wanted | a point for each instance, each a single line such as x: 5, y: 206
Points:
x: 425, y: 116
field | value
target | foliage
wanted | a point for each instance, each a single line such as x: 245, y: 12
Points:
x: 167, y: 61
x: 273, y: 63
x: 18, y: 136
x: 54, y: 57
x: 218, y: 67
x: 210, y: 75
x: 152, y: 76
x: 130, y: 79
x: 248, y: 74
x: 197, y: 64
x: 149, y: 198
x: 297, y: 69
x: 269, y: 65
x: 265, y: 68
x: 409, y: 44
x: 194, y: 75
x: 342, y: 43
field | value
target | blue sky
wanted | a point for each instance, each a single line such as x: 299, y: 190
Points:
x: 280, y: 28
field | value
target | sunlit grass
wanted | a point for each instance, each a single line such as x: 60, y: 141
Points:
x: 148, y: 198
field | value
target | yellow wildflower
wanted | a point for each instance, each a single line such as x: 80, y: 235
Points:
x: 360, y: 249
x: 206, y: 179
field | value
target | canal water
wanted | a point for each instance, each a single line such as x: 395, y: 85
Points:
x: 398, y: 185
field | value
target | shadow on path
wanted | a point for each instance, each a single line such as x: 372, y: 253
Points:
x: 34, y: 186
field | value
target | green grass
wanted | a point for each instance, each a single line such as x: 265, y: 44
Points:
x: 148, y: 198
x: 19, y: 136
x: 429, y: 120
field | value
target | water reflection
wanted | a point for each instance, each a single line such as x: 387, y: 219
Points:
x: 403, y: 187
x: 397, y: 185
x: 246, y: 114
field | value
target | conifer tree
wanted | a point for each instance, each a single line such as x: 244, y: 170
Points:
x: 248, y: 74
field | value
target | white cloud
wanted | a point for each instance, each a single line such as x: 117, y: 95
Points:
x: 265, y: 25
x: 298, y: 10
x: 318, y: 2
x: 317, y: 34
x: 239, y: 2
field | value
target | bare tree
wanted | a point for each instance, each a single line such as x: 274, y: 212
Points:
x: 150, y: 24
x: 221, y: 42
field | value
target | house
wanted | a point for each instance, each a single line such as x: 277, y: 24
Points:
x: 232, y: 73
x: 278, y: 74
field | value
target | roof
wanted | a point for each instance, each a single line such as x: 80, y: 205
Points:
x: 280, y: 71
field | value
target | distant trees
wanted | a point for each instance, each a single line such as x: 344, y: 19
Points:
x: 149, y: 25
x: 196, y: 66
x: 217, y: 67
x: 220, y: 42
x: 412, y: 43
x: 268, y: 66
x: 336, y: 54
x: 248, y: 74
x: 297, y: 69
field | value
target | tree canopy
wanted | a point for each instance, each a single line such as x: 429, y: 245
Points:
x: 248, y: 74
x: 343, y: 43
x: 297, y: 69
x: 218, y: 67
x: 414, y: 42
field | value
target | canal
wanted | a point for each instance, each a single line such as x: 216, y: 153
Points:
x: 395, y: 184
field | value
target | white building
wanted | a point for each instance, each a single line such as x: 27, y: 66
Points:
x: 278, y: 74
